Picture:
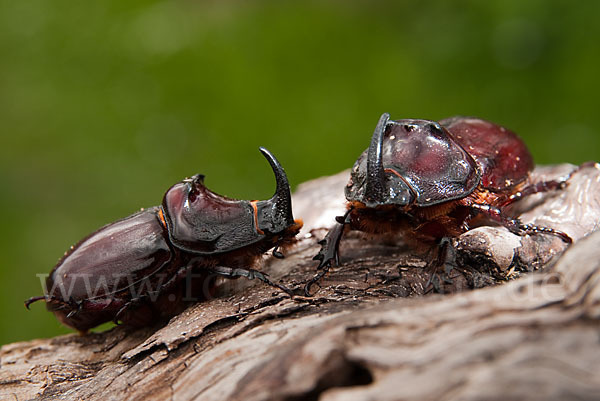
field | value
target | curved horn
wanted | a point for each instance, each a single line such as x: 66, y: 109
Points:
x: 375, y: 186
x: 282, y: 198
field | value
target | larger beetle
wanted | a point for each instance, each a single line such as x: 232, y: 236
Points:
x: 430, y: 180
x: 133, y: 270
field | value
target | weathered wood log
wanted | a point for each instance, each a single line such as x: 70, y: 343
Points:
x: 372, y: 331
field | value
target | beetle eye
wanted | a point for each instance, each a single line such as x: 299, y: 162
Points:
x: 192, y: 191
x: 435, y: 128
x: 192, y: 195
x: 408, y: 128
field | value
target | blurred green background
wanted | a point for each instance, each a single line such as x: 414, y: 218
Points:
x: 104, y: 105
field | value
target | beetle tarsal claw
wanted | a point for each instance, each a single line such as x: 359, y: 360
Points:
x: 33, y: 299
x: 315, y: 280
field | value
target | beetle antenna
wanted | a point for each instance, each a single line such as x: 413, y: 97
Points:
x: 375, y: 186
x: 282, y: 197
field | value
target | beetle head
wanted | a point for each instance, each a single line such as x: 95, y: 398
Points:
x: 411, y: 162
x: 369, y: 183
x: 201, y: 221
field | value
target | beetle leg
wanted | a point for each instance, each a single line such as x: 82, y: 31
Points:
x: 249, y: 274
x: 516, y: 226
x: 33, y: 299
x: 119, y: 314
x: 331, y: 243
x: 277, y: 253
x: 181, y: 273
x: 48, y: 298
x: 446, y: 258
x: 152, y: 295
x: 544, y: 186
x: 330, y: 246
x: 73, y: 312
x: 520, y: 228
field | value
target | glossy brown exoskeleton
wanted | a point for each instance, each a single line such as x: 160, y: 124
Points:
x: 138, y: 269
x: 430, y: 179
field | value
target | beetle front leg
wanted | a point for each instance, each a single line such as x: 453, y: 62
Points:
x: 249, y: 274
x: 516, y: 226
x: 330, y: 246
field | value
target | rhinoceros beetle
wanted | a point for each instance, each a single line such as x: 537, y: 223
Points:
x: 430, y: 180
x: 133, y: 270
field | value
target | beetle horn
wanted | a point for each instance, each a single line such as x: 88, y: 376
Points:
x: 375, y: 186
x: 282, y: 199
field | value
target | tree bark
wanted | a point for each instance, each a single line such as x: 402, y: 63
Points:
x: 374, y: 330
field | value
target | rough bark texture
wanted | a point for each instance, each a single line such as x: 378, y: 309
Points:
x: 373, y: 331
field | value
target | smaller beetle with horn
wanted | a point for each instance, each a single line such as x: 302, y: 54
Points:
x: 147, y: 265
x: 432, y: 181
